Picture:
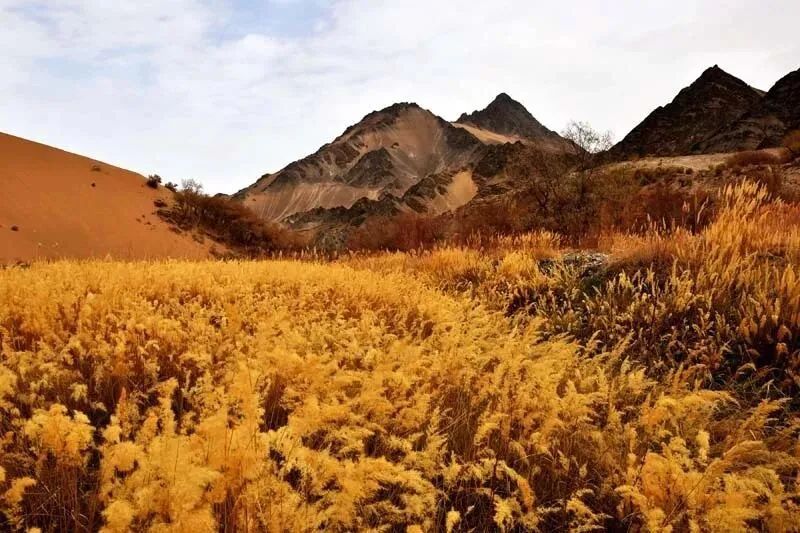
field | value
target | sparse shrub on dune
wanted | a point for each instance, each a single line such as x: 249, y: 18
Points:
x: 153, y: 181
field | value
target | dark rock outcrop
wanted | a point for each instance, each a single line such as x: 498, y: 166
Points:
x: 714, y: 100
x: 374, y: 169
x: 506, y: 116
x: 765, y: 124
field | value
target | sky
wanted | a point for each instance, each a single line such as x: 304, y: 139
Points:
x: 223, y: 91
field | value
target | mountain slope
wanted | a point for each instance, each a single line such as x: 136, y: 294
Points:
x: 499, y: 170
x: 506, y: 120
x: 55, y: 204
x: 715, y: 99
x: 764, y: 125
x: 400, y: 157
x: 386, y: 153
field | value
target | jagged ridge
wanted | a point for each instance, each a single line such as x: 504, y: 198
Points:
x: 765, y: 124
x: 713, y: 100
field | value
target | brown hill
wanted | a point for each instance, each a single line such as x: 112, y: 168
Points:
x: 386, y: 153
x: 400, y: 158
x: 54, y: 204
x: 714, y: 100
x: 765, y: 124
x: 499, y: 170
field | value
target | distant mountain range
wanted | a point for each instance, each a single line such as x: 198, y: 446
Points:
x: 401, y: 159
x: 717, y: 113
x: 406, y: 159
x: 764, y: 124
x: 402, y: 154
x: 712, y: 102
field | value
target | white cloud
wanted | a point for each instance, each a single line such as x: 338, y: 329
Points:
x: 170, y: 87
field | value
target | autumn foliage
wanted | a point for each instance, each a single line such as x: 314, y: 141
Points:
x: 228, y: 222
x: 493, y: 385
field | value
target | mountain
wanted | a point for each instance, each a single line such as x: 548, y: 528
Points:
x: 500, y: 170
x: 386, y: 153
x: 54, y: 204
x: 765, y: 124
x: 401, y: 157
x: 712, y: 101
x: 506, y: 120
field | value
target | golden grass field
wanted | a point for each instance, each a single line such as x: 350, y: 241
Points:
x: 493, y: 387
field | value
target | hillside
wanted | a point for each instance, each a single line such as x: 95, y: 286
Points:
x: 55, y: 204
x: 397, y: 159
x: 712, y: 101
x: 765, y: 124
x: 386, y: 153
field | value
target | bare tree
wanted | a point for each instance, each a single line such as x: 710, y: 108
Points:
x: 589, y: 140
x: 192, y: 185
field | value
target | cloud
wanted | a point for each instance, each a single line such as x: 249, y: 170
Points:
x: 223, y: 90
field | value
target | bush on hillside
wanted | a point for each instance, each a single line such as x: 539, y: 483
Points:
x: 662, y: 205
x: 650, y: 175
x: 153, y: 181
x: 753, y: 157
x: 229, y: 222
x: 792, y: 142
x: 403, y: 232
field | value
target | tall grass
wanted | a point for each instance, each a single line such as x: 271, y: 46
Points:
x: 472, y: 388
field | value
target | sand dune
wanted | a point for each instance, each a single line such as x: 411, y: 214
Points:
x: 54, y: 204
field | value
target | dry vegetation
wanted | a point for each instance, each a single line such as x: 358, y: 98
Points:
x: 492, y: 385
x: 226, y: 221
x: 580, y: 206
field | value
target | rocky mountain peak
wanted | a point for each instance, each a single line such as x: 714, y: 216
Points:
x: 765, y: 123
x: 506, y: 116
x: 713, y: 100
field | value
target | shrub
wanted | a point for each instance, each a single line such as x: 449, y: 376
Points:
x: 298, y: 396
x: 662, y: 205
x: 752, y: 157
x: 230, y: 222
x: 404, y: 232
x: 648, y: 175
x: 506, y: 215
x: 770, y: 176
x: 792, y: 143
x: 153, y: 181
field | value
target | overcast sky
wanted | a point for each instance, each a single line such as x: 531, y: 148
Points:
x: 226, y: 90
